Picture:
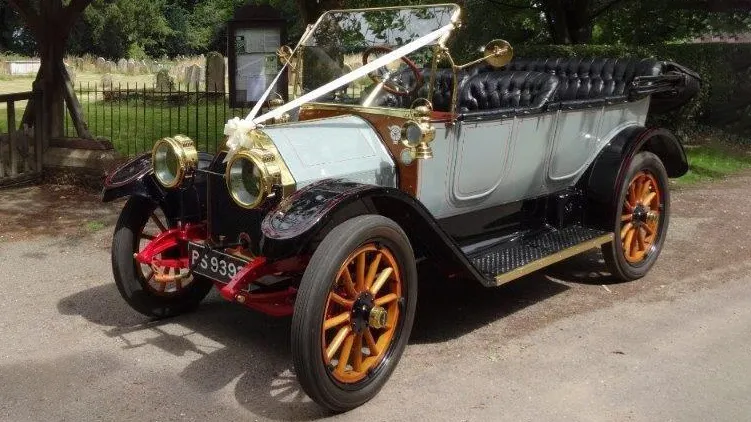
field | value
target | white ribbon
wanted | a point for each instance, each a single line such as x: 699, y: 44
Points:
x: 238, y: 130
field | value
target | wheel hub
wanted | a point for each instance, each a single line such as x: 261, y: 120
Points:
x: 640, y: 214
x: 366, y: 314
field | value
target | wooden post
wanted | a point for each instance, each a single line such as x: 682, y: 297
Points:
x: 2, y: 160
x: 12, y: 138
x: 39, y: 140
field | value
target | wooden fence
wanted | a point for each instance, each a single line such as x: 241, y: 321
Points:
x: 21, y: 147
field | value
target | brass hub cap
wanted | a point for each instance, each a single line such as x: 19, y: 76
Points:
x: 362, y: 313
x: 640, y: 217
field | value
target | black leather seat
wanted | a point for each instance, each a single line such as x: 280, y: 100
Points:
x: 591, y: 81
x: 505, y: 93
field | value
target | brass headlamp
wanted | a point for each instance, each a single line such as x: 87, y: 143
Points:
x: 253, y: 173
x: 174, y: 159
x: 418, y: 133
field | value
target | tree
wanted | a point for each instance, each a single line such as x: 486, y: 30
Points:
x: 51, y: 21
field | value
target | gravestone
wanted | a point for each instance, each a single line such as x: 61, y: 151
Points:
x: 79, y: 61
x: 101, y: 64
x: 122, y: 65
x: 106, y: 81
x: 164, y: 82
x: 72, y: 73
x: 193, y: 75
x: 215, y: 71
x: 132, y: 67
x: 111, y: 67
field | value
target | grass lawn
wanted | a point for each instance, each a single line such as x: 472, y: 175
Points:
x: 714, y: 161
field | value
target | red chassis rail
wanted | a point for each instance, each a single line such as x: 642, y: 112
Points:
x: 277, y: 304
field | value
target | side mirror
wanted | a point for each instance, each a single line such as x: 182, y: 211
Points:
x: 498, y: 53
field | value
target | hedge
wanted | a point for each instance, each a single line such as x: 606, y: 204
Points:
x: 725, y: 97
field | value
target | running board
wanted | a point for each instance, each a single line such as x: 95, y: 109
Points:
x: 509, y: 261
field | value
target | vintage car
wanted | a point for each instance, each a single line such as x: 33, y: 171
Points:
x: 387, y: 154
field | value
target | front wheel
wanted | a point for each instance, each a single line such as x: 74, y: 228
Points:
x: 641, y: 223
x: 354, y: 312
x: 154, y: 290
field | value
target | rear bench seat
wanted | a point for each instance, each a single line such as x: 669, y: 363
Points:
x: 590, y: 82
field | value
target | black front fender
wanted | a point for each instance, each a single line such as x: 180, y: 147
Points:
x: 300, y: 222
x: 136, y: 178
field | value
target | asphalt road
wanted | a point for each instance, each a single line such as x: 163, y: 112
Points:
x: 557, y: 345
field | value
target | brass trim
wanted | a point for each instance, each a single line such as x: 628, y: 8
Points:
x: 383, y: 111
x: 270, y: 162
x: 552, y: 259
x: 187, y: 155
x: 368, y: 9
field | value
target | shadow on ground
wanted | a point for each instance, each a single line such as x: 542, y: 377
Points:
x: 256, y: 348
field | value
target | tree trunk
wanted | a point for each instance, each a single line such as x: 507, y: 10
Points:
x: 569, y: 21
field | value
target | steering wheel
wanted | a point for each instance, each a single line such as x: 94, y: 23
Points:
x: 382, y: 75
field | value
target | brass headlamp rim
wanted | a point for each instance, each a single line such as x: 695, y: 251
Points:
x: 266, y: 181
x: 187, y: 158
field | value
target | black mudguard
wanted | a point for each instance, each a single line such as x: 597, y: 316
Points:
x: 606, y: 174
x: 298, y: 223
x: 136, y: 178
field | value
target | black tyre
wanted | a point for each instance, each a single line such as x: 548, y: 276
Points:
x: 641, y: 224
x: 354, y: 312
x: 145, y: 288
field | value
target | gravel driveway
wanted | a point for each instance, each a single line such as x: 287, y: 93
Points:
x: 561, y: 344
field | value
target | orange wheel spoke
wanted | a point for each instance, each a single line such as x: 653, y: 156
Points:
x: 336, y: 321
x: 649, y: 197
x: 360, y: 281
x: 147, y: 236
x: 150, y: 276
x: 628, y: 241
x: 372, y: 270
x: 357, y: 358
x: 381, y: 280
x: 342, y: 301
x: 337, y: 342
x: 640, y: 240
x: 625, y: 230
x: 626, y: 217
x: 386, y: 299
x: 344, y: 356
x: 349, y: 285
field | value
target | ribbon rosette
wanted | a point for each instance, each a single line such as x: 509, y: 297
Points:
x: 238, y: 135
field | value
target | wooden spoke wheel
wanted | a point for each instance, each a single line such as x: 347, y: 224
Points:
x: 161, y: 277
x: 362, y: 313
x: 641, y: 219
x: 161, y: 289
x: 354, y: 312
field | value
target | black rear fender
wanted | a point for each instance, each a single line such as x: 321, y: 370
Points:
x: 299, y: 223
x: 606, y: 173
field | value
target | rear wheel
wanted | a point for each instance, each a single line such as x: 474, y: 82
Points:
x: 154, y: 290
x: 354, y: 312
x: 642, y: 221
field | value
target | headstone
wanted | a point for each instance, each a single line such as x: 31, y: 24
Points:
x: 101, y: 64
x: 79, y: 63
x: 193, y: 75
x: 215, y: 72
x: 164, y: 82
x: 122, y: 65
x: 111, y: 67
x: 107, y: 81
x: 132, y: 67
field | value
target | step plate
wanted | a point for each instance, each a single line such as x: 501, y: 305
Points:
x: 507, y: 262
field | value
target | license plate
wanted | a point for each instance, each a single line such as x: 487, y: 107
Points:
x: 213, y: 264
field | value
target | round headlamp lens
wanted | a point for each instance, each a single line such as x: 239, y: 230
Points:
x: 166, y: 164
x: 246, y: 182
x: 412, y: 133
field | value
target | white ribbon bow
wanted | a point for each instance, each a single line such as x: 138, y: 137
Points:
x: 238, y: 135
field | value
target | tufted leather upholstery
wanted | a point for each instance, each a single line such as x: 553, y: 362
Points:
x: 507, y: 92
x: 591, y: 78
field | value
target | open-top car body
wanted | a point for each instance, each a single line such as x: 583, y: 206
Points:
x: 389, y: 153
